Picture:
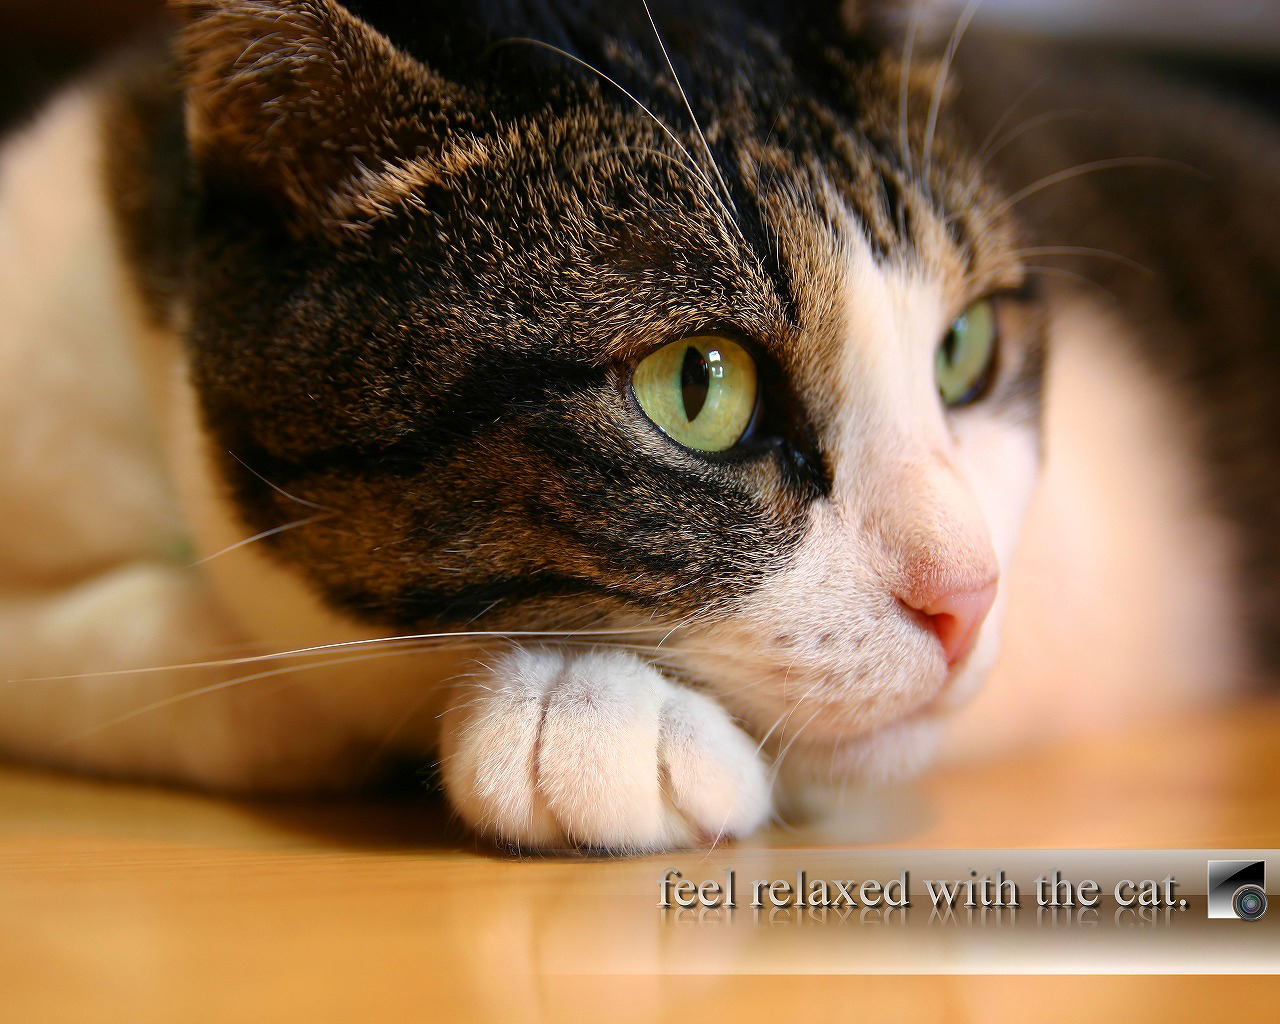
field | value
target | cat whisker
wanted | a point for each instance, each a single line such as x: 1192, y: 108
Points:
x: 642, y: 151
x: 904, y: 88
x: 225, y: 684
x: 782, y: 754
x: 688, y: 106
x: 376, y: 755
x: 559, y: 636
x: 1092, y: 167
x: 1072, y: 276
x: 939, y: 85
x: 981, y: 152
x: 754, y: 684
x: 776, y: 722
x: 672, y: 631
x: 784, y: 720
x: 470, y: 684
x: 774, y: 123
x: 279, y: 490
x: 483, y: 612
x: 464, y: 706
x: 1078, y: 250
x: 259, y: 536
x: 764, y: 188
x: 719, y: 836
x: 693, y: 165
x: 985, y: 155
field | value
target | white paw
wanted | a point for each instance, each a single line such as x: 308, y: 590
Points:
x: 599, y: 751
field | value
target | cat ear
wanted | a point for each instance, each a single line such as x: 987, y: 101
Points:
x: 299, y: 98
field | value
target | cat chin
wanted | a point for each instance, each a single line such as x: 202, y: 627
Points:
x: 834, y: 727
x: 892, y: 754
x: 824, y: 705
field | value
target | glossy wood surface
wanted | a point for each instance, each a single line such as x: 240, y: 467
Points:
x: 122, y: 903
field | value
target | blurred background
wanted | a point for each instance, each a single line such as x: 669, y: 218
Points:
x: 1232, y: 44
x: 45, y: 42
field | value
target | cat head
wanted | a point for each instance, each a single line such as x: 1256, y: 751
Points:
x: 571, y: 319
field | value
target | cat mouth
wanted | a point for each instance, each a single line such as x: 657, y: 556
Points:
x: 893, y: 751
x: 872, y: 722
x: 830, y: 721
x: 893, y: 677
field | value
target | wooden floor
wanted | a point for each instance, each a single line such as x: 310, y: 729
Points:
x: 139, y: 905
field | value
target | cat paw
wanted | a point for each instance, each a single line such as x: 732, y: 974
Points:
x: 552, y: 749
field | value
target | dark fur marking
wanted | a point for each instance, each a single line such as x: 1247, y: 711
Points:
x: 465, y: 604
x: 408, y: 300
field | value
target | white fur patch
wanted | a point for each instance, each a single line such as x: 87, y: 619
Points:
x: 1121, y: 602
x: 83, y: 485
x: 824, y: 659
x: 597, y: 750
x: 104, y: 491
x: 106, y: 467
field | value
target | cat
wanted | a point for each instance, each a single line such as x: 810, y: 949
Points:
x: 635, y: 407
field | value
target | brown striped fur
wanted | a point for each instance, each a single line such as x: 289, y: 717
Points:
x: 390, y: 269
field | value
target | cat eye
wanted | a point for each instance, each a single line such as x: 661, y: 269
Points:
x: 966, y: 356
x: 701, y: 391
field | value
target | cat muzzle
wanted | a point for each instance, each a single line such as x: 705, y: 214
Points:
x: 954, y: 617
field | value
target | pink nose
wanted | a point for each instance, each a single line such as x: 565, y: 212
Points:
x: 955, y: 617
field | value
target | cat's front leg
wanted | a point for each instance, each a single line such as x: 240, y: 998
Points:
x: 127, y: 673
x: 553, y: 748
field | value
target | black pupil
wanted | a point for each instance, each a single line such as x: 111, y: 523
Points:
x: 949, y: 344
x: 695, y: 379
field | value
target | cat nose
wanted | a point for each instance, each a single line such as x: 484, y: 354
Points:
x: 955, y: 616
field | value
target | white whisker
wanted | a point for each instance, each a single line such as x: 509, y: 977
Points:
x: 1078, y: 250
x: 414, y: 639
x: 1091, y: 168
x: 259, y: 536
x: 939, y: 84
x: 782, y: 754
x: 279, y: 490
x: 371, y: 763
x: 776, y: 722
x: 1009, y: 111
x: 693, y: 164
x: 688, y: 106
x: 1072, y: 276
x: 904, y: 87
x: 226, y: 684
x: 786, y: 719
x: 985, y: 155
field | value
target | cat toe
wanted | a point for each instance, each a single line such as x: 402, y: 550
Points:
x: 711, y: 771
x: 598, y: 751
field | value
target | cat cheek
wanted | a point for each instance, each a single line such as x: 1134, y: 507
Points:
x: 1002, y: 466
x: 888, y: 603
x: 931, y: 530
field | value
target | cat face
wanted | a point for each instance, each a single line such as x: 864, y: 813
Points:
x: 439, y: 292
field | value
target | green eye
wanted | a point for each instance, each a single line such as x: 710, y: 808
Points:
x: 966, y: 355
x: 699, y: 391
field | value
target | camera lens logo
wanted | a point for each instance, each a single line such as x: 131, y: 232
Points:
x: 1238, y: 888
